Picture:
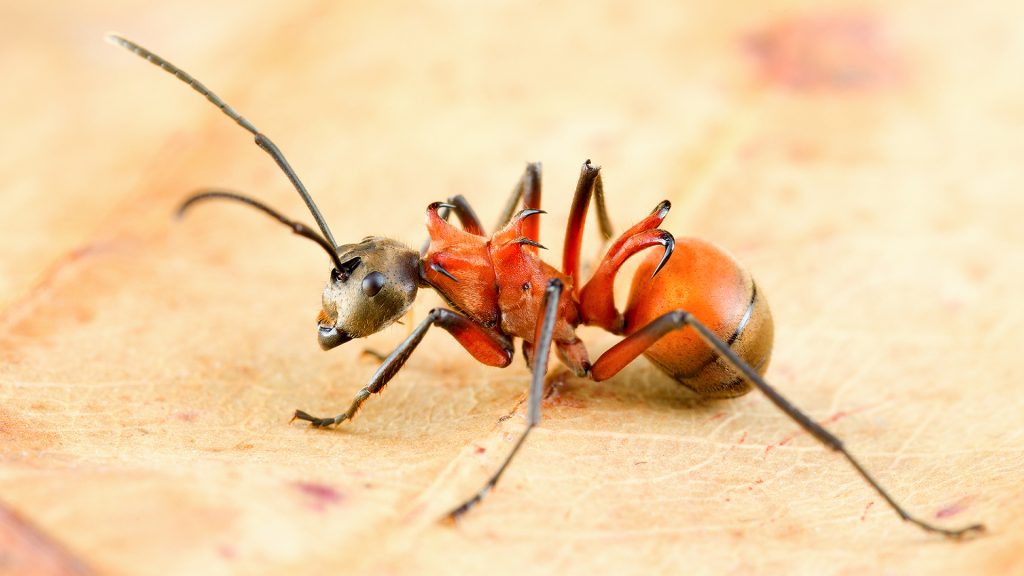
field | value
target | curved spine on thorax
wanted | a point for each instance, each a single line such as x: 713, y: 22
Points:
x: 497, y: 281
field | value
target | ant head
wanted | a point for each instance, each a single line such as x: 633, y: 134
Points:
x: 373, y: 283
x: 374, y: 286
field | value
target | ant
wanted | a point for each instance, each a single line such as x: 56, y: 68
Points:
x: 499, y: 290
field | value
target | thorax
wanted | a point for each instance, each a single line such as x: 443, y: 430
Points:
x: 496, y: 281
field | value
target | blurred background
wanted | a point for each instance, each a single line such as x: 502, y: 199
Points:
x: 863, y: 160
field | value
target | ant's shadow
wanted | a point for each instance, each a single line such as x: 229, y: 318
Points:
x: 640, y: 387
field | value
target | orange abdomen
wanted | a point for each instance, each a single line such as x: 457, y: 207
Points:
x: 704, y: 280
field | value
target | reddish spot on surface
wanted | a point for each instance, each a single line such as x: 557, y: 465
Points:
x: 953, y: 304
x: 866, y: 508
x: 840, y: 51
x: 953, y: 509
x: 835, y: 417
x: 717, y: 416
x: 802, y: 152
x: 561, y: 394
x: 978, y: 272
x: 743, y: 438
x: 788, y: 439
x: 318, y: 496
x: 830, y: 420
x: 186, y: 415
x: 479, y: 450
x: 227, y: 552
x: 558, y: 392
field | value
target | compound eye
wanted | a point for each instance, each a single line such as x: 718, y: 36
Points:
x: 372, y: 283
x: 341, y: 274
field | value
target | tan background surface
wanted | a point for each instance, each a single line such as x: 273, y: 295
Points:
x: 864, y: 161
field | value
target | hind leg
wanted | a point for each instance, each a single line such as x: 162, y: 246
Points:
x: 627, y: 350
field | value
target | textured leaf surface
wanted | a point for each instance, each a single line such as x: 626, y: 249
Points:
x: 864, y: 162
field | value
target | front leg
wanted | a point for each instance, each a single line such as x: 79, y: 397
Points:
x: 528, y: 189
x: 487, y: 346
x: 589, y: 184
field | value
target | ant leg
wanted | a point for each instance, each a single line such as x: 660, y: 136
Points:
x: 378, y: 356
x: 470, y: 222
x: 487, y: 346
x: 463, y: 211
x: 541, y: 349
x: 528, y: 189
x: 375, y: 354
x: 597, y: 296
x: 589, y: 184
x: 618, y: 356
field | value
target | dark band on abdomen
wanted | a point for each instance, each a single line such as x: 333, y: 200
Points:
x: 746, y: 316
x: 712, y: 356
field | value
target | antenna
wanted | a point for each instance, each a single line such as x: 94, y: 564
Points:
x: 297, y: 227
x: 261, y: 140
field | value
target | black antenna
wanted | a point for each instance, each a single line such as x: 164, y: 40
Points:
x: 297, y: 227
x: 261, y: 140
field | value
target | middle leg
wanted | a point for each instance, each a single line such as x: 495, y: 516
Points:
x: 541, y: 349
